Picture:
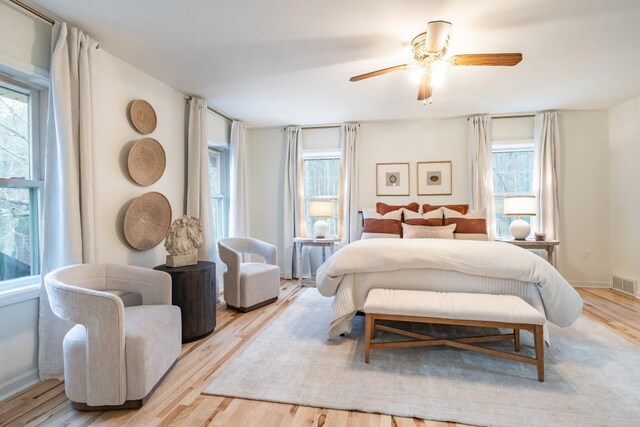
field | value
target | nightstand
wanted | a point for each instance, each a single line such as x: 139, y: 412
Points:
x: 324, y: 242
x: 548, y: 245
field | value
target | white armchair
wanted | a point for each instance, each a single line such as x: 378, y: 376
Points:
x: 116, y: 355
x: 249, y: 285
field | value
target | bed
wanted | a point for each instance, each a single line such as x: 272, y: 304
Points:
x: 447, y: 266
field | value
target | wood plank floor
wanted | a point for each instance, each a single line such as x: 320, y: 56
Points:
x: 178, y: 400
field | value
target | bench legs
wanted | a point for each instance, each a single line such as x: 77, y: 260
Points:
x: 464, y: 343
x: 369, y: 326
x: 539, y: 342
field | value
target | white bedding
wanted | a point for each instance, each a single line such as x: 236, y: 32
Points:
x: 443, y: 265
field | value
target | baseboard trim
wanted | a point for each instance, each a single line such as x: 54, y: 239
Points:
x: 18, y: 383
x: 587, y: 284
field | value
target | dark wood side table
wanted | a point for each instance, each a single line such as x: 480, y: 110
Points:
x: 193, y: 289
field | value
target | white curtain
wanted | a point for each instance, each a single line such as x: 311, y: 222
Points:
x: 198, y: 195
x: 348, y: 192
x: 293, y: 197
x: 68, y: 207
x: 481, y: 169
x: 238, y: 197
x: 546, y: 140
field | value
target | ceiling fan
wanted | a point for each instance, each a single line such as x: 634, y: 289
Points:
x: 429, y: 49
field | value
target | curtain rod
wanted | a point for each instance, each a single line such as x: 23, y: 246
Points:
x: 33, y: 11
x: 230, y: 120
x: 316, y: 127
x: 513, y: 116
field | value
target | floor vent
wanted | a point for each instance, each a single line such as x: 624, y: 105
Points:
x: 624, y: 284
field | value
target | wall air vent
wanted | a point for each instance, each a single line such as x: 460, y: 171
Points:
x: 625, y: 285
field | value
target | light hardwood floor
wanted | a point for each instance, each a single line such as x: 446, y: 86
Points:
x: 178, y: 400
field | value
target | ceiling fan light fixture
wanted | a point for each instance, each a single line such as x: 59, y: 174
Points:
x: 439, y: 69
x: 415, y: 74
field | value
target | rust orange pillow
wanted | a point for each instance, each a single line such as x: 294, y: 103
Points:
x: 463, y: 209
x: 383, y: 208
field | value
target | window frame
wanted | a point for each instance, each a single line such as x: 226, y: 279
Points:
x: 330, y: 154
x: 509, y: 147
x: 223, y: 182
x: 34, y: 182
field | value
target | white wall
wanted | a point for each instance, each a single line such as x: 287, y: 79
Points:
x: 412, y: 141
x: 583, y: 193
x: 624, y: 193
x: 116, y: 83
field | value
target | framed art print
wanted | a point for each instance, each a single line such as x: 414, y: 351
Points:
x: 392, y: 179
x: 434, y: 178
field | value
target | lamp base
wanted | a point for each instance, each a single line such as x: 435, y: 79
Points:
x: 519, y: 229
x: 321, y: 228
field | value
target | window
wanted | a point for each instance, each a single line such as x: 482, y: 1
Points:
x: 321, y: 181
x: 218, y: 186
x: 512, y: 174
x: 20, y: 183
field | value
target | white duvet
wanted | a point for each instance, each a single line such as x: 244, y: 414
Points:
x: 562, y: 304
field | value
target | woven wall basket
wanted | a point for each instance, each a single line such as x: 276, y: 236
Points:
x: 146, y: 161
x: 143, y: 116
x: 147, y: 221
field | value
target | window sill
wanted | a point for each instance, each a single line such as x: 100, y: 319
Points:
x: 20, y: 290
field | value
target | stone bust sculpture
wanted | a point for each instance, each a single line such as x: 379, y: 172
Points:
x: 183, y: 240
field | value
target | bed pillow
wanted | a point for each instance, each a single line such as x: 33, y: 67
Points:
x: 427, y: 232
x: 431, y: 218
x: 472, y: 226
x: 377, y: 225
x: 463, y: 209
x: 383, y: 208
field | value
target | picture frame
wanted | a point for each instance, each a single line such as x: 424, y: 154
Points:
x: 392, y: 179
x: 435, y: 178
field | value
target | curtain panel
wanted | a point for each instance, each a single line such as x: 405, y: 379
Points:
x: 68, y: 206
x: 481, y: 168
x: 348, y: 191
x: 546, y: 142
x: 293, y: 223
x: 198, y: 203
x: 238, y: 195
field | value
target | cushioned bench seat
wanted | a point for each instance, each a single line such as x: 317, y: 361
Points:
x: 491, y: 311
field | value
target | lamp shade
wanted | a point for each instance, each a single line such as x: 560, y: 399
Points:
x: 320, y: 208
x: 521, y: 205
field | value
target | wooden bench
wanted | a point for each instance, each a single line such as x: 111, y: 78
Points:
x: 462, y: 309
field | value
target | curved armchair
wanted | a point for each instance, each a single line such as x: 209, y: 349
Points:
x: 115, y: 355
x: 249, y: 285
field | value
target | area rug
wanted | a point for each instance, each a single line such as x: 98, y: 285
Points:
x: 592, y: 375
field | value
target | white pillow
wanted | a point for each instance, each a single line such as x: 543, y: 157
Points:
x: 472, y: 214
x: 427, y: 231
x: 434, y: 214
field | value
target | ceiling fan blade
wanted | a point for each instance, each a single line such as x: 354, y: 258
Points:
x: 424, y: 90
x: 379, y: 72
x: 504, y: 59
x: 437, y: 37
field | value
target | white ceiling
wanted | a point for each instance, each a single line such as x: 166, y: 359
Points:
x: 276, y: 62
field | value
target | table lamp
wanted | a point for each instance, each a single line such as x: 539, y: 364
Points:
x: 320, y: 209
x: 519, y: 205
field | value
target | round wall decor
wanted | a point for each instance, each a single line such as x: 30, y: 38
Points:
x: 147, y: 221
x: 146, y: 161
x: 143, y: 116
